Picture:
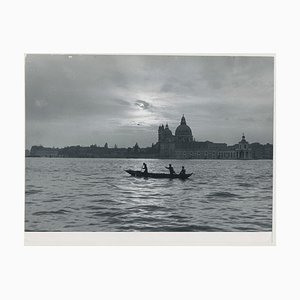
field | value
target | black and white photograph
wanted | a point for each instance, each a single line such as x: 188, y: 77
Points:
x: 149, y: 150
x: 149, y: 143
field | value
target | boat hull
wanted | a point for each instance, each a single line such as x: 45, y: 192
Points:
x: 157, y: 175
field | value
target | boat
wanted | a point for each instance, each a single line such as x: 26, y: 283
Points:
x: 157, y: 175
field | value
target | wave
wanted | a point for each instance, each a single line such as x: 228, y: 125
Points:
x: 52, y: 200
x: 31, y: 192
x: 108, y: 214
x: 150, y: 207
x: 183, y: 228
x: 222, y: 195
x: 245, y: 184
x: 51, y: 212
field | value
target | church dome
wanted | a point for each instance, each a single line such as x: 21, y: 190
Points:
x: 183, y: 129
x: 167, y: 131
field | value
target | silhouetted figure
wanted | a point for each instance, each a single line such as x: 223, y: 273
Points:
x: 145, y: 168
x: 170, y: 168
x: 182, y: 172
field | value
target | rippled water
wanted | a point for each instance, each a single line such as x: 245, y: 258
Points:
x: 77, y: 194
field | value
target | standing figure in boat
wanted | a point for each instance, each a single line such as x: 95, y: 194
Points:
x: 145, y: 168
x: 171, y: 169
x: 182, y: 172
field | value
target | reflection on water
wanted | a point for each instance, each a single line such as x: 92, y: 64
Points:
x: 97, y: 195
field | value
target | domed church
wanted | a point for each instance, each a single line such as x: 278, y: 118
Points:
x: 182, y: 145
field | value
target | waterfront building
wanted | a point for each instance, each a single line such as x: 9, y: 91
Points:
x: 182, y: 145
x: 243, y: 151
x: 40, y: 151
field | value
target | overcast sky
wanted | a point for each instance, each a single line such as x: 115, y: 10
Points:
x: 93, y: 99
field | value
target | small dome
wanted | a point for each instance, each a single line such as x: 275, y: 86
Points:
x: 167, y: 132
x: 243, y: 140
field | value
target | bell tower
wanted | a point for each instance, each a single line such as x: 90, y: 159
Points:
x: 160, y: 132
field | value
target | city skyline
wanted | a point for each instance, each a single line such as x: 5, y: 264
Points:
x: 113, y: 145
x: 92, y: 99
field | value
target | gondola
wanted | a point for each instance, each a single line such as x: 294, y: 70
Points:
x: 157, y: 175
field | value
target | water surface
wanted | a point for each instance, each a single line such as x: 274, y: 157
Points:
x: 78, y: 194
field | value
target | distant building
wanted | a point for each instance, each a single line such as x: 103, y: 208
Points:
x: 182, y: 145
x: 243, y: 151
x: 40, y: 151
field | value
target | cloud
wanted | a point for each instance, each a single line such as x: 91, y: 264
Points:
x: 87, y: 99
x: 142, y: 104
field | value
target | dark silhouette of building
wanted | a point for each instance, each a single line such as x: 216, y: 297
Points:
x: 40, y: 151
x: 182, y: 145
